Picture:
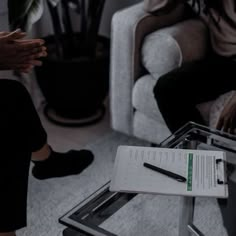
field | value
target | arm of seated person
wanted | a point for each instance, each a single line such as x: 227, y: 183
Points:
x: 20, y: 54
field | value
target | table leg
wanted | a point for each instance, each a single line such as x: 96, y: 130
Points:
x: 186, y: 215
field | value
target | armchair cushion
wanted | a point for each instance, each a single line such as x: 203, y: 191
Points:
x: 143, y: 98
x: 168, y: 48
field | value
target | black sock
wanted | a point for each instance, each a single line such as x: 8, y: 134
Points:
x: 62, y: 164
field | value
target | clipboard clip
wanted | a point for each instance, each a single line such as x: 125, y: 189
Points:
x: 219, y: 160
x: 219, y: 181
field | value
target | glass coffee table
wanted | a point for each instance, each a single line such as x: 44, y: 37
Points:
x: 106, y: 213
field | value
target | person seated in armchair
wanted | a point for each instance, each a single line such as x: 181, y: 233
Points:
x: 178, y: 92
x: 22, y: 136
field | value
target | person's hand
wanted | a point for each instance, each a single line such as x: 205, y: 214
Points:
x: 227, y: 119
x: 20, y: 54
x: 32, y: 54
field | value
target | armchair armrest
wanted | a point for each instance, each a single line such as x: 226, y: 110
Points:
x: 128, y: 29
x: 170, y: 47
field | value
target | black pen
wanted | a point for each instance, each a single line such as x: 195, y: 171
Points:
x: 165, y: 172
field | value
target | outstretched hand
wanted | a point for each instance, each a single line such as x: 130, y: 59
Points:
x: 227, y: 119
x: 20, y: 54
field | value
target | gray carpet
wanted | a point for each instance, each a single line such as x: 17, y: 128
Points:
x: 154, y: 215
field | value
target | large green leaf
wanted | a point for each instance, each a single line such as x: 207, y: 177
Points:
x: 23, y: 13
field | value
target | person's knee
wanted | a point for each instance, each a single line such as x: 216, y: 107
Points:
x: 13, y: 92
x: 164, y: 89
x: 14, y: 86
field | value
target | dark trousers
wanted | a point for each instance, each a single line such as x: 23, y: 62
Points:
x: 177, y: 94
x: 21, y: 133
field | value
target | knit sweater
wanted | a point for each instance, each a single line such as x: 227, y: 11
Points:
x: 222, y: 34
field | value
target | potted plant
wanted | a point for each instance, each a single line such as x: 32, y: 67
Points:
x: 74, y: 77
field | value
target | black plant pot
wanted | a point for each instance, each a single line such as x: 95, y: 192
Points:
x: 75, y: 87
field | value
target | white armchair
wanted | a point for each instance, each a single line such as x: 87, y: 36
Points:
x: 143, y: 48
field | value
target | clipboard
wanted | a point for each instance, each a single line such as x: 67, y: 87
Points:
x: 204, y: 170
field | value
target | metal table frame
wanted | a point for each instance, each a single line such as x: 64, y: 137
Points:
x: 84, y: 220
